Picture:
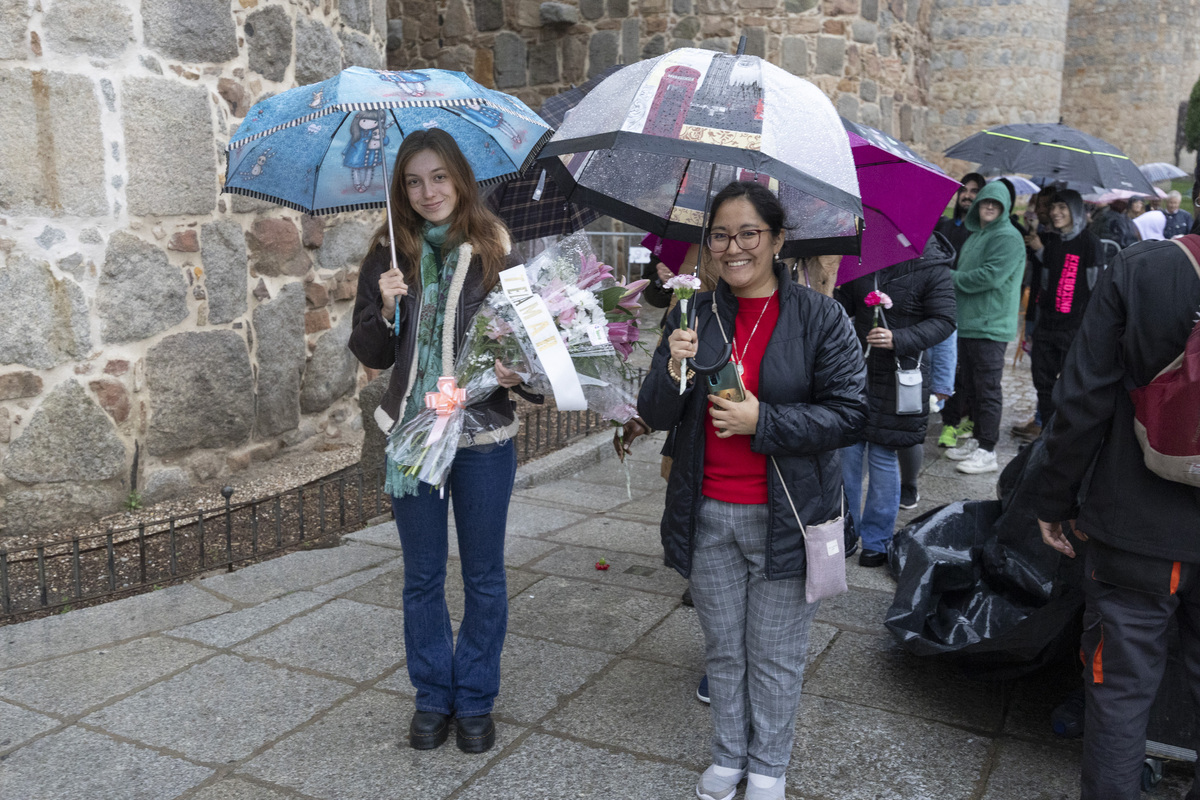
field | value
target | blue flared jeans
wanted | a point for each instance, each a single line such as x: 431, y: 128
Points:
x: 875, y: 520
x: 460, y: 678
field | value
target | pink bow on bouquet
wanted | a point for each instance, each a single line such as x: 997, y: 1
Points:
x: 445, y: 401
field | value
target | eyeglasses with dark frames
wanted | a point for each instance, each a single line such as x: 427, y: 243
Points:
x: 747, y: 240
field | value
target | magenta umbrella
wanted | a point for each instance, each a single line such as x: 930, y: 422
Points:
x: 903, y: 196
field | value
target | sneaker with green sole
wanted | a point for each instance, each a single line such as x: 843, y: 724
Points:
x: 965, y: 428
x: 949, y: 437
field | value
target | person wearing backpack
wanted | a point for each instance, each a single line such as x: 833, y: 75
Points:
x: 1142, y: 557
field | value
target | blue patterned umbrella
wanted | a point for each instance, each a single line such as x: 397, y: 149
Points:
x: 328, y: 146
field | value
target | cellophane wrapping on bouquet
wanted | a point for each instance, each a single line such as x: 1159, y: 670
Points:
x: 597, y: 321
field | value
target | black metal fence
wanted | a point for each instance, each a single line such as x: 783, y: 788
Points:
x: 147, y: 555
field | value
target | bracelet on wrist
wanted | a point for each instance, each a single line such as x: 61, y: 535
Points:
x: 673, y: 371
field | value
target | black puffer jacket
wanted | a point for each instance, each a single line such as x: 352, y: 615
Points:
x: 922, y: 314
x: 811, y: 402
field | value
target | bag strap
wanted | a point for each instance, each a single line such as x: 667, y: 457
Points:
x: 788, y: 495
x: 1191, y: 248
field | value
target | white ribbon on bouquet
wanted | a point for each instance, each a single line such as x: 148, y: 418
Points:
x: 547, y: 343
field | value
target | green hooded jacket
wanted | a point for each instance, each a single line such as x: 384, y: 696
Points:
x: 987, y: 282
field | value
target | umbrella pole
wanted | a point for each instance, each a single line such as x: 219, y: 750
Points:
x: 387, y: 195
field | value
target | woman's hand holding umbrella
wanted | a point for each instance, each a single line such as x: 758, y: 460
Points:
x: 391, y: 286
x: 683, y: 346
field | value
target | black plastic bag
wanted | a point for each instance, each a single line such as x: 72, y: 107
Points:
x: 976, y: 584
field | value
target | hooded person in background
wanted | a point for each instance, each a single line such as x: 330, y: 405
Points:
x: 1112, y: 223
x: 1071, y: 259
x: 987, y: 287
x: 955, y: 228
x: 1142, y: 555
x: 1150, y: 225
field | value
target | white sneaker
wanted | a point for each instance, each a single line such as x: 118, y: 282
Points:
x: 979, y: 461
x: 964, y: 450
x: 714, y: 787
x: 776, y: 792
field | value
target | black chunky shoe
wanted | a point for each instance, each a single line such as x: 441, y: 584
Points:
x: 428, y: 730
x: 871, y: 558
x: 475, y: 734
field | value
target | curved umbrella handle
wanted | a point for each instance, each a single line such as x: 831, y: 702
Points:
x: 721, y: 360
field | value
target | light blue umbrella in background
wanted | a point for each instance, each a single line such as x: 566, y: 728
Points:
x: 327, y: 147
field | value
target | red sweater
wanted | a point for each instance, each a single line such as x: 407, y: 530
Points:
x: 733, y: 473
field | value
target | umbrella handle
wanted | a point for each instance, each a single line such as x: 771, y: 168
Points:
x: 387, y: 197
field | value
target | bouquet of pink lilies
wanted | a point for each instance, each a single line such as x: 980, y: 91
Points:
x: 563, y: 322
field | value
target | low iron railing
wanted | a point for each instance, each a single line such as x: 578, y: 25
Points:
x: 133, y: 558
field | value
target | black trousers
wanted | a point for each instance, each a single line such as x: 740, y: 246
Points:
x: 1124, y: 654
x: 977, y: 389
x: 1046, y: 357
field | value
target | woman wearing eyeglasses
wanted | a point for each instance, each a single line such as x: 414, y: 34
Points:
x: 728, y: 524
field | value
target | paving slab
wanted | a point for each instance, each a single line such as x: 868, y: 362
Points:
x: 531, y: 519
x: 586, y: 614
x: 677, y: 640
x: 536, y: 675
x: 91, y: 765
x: 1034, y: 700
x: 877, y: 578
x: 606, y: 533
x: 643, y: 476
x: 850, y: 752
x: 647, y: 708
x: 1032, y: 772
x: 381, y: 535
x: 343, y: 638
x: 72, y: 684
x: 359, y: 751
x: 19, y: 725
x: 857, y: 664
x: 646, y: 573
x: 647, y: 509
x: 296, y: 571
x: 343, y: 585
x: 232, y: 627
x: 577, y: 495
x: 241, y: 789
x: 92, y: 627
x: 219, y: 711
x: 857, y: 609
x: 548, y: 768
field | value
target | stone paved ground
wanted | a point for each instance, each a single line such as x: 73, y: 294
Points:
x: 286, y: 680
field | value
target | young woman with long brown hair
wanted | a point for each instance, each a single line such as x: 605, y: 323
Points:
x: 412, y: 317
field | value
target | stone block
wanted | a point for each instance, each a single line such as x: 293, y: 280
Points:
x: 229, y: 629
x: 312, y: 231
x: 863, y: 31
x: 906, y: 123
x: 43, y: 321
x: 53, y: 162
x: 16, y: 385
x: 756, y: 41
x: 318, y: 54
x: 14, y: 26
x: 682, y: 7
x: 591, y: 9
x: 317, y: 320
x: 221, y: 710
x: 457, y: 20
x: 794, y: 55
x: 316, y: 295
x: 868, y: 91
x: 528, y: 14
x: 345, y: 244
x: 489, y: 15
x: 869, y: 10
x: 332, y: 372
x: 190, y: 30
x: 203, y: 392
x: 631, y: 31
x: 543, y: 63
x: 761, y: 5
x: 831, y: 55
x: 89, y: 764
x: 395, y: 34
x: 225, y: 270
x: 869, y: 114
x: 656, y: 46
x: 69, y: 438
x: 558, y: 14
x: 510, y: 56
x: 847, y: 106
x: 165, y: 483
x: 74, y: 266
x: 113, y: 398
x: 280, y: 352
x: 834, y: 8
x: 603, y: 51
x: 96, y: 28
x: 187, y: 241
x: 59, y: 505
x: 574, y: 58
x: 687, y: 28
x: 359, y: 51
x: 169, y: 148
x: 140, y: 293
x: 269, y: 41
x: 618, y: 8
x: 356, y: 14
x: 275, y: 249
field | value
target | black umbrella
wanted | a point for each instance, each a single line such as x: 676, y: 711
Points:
x: 1052, y: 152
x: 533, y: 205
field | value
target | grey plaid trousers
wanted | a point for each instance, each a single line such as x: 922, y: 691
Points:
x: 755, y: 637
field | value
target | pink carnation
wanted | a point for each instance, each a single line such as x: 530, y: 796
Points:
x: 878, y: 299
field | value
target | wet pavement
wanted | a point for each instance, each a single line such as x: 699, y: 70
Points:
x: 286, y: 680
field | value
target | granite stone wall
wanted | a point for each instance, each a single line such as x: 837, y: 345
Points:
x: 1127, y: 69
x: 138, y: 304
x: 870, y: 56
